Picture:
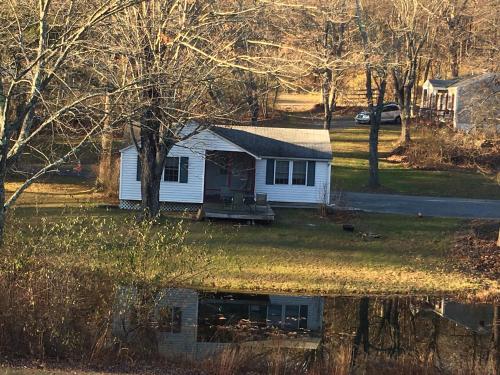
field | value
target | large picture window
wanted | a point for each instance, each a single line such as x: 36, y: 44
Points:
x: 171, y: 169
x: 299, y: 173
x: 282, y: 172
x: 278, y: 172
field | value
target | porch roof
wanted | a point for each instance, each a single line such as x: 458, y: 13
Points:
x: 293, y: 143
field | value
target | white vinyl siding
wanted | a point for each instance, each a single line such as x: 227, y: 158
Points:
x: 192, y: 192
x: 294, y: 193
x: 193, y: 148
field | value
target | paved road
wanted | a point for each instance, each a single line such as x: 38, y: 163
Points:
x: 428, y: 206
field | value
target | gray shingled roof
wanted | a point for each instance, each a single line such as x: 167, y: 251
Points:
x: 444, y: 82
x: 460, y: 81
x: 279, y: 142
x: 464, y: 81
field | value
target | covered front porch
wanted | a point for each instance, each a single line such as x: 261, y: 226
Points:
x: 229, y: 191
x: 228, y: 174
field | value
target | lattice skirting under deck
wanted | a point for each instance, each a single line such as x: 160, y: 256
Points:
x: 164, y: 206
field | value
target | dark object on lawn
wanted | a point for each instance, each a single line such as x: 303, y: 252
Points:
x: 348, y: 227
x: 420, y: 215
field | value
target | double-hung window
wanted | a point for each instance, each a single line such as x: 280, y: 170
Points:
x: 282, y: 172
x: 299, y: 172
x: 171, y: 169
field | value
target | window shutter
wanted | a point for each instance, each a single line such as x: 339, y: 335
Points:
x: 183, y: 178
x: 311, y: 173
x: 139, y: 169
x: 270, y: 172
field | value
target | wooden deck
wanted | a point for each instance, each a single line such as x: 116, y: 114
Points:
x: 219, y: 211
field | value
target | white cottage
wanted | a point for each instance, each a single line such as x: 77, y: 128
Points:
x: 465, y: 101
x: 288, y: 165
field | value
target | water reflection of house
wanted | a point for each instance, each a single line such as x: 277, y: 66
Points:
x: 475, y: 317
x: 197, y: 324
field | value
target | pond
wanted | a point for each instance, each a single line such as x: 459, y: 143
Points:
x: 447, y: 335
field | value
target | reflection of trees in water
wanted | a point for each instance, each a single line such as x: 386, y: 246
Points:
x: 495, y: 342
x: 388, y: 335
x: 396, y: 328
x: 362, y: 336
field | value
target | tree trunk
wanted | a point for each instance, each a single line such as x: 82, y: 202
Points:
x: 432, y: 355
x: 454, y: 64
x: 495, y: 344
x: 252, y: 98
x: 4, y: 137
x: 104, y: 175
x: 2, y: 198
x: 405, y: 116
x: 152, y: 155
x: 326, y: 92
x: 395, y: 328
x: 275, y: 98
x: 373, y: 181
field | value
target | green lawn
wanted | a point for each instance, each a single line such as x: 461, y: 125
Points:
x: 350, y: 169
x: 302, y: 252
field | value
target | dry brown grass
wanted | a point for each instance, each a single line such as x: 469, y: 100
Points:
x: 57, y: 192
x: 439, y: 148
x: 476, y: 250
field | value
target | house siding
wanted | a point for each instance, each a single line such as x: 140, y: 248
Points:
x: 184, y: 341
x: 319, y: 193
x: 191, y: 192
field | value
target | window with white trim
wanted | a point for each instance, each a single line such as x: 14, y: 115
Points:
x: 299, y: 174
x: 281, y: 174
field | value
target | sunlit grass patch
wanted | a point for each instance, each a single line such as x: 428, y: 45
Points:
x: 300, y: 252
x: 350, y: 169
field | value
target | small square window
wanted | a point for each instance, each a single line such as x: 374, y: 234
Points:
x: 171, y: 169
x: 299, y: 173
x: 282, y: 171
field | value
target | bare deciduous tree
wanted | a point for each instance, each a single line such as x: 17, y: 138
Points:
x: 178, y: 51
x: 409, y: 34
x: 375, y: 56
x: 46, y: 85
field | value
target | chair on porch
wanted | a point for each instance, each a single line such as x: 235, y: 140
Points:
x: 238, y: 201
x: 227, y: 197
x: 260, y: 200
x: 250, y: 203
